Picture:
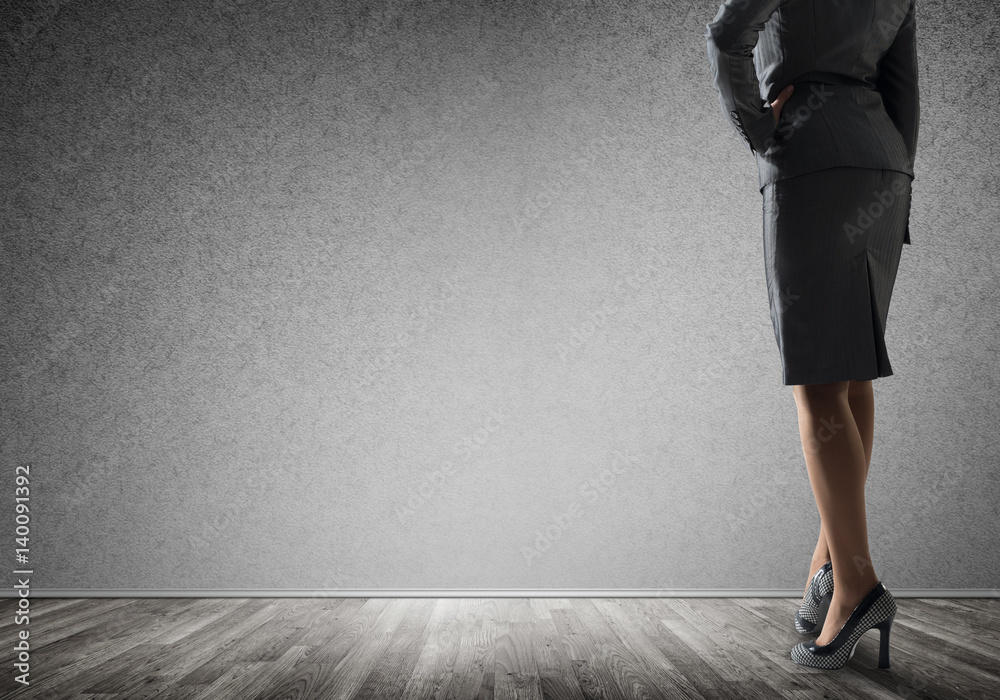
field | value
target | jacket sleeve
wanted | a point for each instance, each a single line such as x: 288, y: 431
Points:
x: 897, y: 83
x: 731, y: 38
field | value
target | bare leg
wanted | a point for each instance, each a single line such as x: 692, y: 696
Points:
x: 837, y: 463
x: 862, y: 402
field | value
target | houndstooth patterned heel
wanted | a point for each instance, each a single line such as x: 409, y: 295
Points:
x: 875, y: 611
x: 816, y: 602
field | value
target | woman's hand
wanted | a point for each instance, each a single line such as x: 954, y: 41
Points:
x: 783, y: 96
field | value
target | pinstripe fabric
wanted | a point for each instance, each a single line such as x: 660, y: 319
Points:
x: 854, y: 67
x: 832, y: 243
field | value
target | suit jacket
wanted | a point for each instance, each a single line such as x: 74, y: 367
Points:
x: 854, y: 67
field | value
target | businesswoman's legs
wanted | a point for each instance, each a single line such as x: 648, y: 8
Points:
x: 862, y: 401
x: 837, y: 461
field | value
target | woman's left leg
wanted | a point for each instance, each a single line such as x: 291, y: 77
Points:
x: 862, y: 401
x: 836, y: 461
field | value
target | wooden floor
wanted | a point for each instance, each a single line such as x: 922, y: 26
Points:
x: 443, y: 648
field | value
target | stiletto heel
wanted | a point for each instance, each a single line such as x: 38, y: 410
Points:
x: 876, y: 610
x: 883, y: 649
x: 816, y: 603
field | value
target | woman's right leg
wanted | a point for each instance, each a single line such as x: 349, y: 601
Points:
x: 861, y: 398
x: 837, y: 473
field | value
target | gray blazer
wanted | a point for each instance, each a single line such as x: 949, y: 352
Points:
x: 854, y: 67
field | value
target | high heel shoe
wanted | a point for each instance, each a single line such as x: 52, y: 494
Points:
x: 876, y: 610
x: 816, y: 602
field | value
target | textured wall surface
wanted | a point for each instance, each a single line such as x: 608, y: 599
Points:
x: 454, y: 295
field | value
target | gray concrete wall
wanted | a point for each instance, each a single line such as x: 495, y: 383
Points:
x: 453, y: 295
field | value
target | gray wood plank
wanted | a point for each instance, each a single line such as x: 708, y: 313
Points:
x: 555, y: 669
x: 697, y: 670
x: 456, y: 648
x: 589, y: 651
x: 644, y: 668
x: 393, y: 669
x: 426, y: 680
x: 467, y: 670
x: 131, y: 669
x: 336, y: 670
x: 240, y: 680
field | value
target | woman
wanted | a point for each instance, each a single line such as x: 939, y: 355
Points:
x: 834, y: 143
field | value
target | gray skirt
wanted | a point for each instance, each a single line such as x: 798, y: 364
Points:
x: 832, y: 243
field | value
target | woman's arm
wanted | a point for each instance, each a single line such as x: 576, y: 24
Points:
x: 731, y: 38
x: 897, y: 82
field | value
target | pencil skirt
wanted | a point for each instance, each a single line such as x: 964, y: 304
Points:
x: 832, y: 243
